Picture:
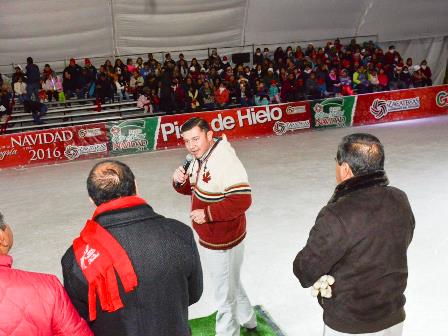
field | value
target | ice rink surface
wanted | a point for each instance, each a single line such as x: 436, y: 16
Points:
x: 292, y: 177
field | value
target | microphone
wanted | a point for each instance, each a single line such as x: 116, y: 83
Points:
x: 188, y: 159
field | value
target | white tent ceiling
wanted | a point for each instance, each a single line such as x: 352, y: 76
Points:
x: 56, y: 30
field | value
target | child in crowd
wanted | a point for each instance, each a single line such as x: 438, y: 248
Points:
x: 50, y: 87
x: 144, y: 102
x: 274, y: 93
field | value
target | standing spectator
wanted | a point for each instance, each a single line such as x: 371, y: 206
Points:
x: 90, y: 74
x: 33, y: 303
x: 221, y: 223
x: 178, y: 95
x: 156, y: 259
x: 33, y: 79
x: 360, y: 238
x: 20, y: 90
x: 427, y: 74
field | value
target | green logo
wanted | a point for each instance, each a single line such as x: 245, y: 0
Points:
x: 333, y: 112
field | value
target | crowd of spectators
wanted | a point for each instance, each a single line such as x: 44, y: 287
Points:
x: 183, y: 86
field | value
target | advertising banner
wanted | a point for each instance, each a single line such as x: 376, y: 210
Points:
x: 401, y: 105
x: 132, y: 136
x: 240, y: 122
x: 53, y: 145
x: 333, y: 112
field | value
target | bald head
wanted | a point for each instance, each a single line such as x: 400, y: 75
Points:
x: 110, y: 180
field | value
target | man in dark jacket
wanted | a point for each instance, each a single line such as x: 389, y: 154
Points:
x: 33, y: 79
x: 360, y: 238
x: 156, y: 259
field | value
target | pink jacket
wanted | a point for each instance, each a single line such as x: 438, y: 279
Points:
x: 35, y: 304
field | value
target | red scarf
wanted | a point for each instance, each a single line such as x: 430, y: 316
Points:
x: 99, y: 255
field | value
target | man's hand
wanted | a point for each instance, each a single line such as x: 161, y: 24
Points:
x: 179, y: 176
x: 198, y: 216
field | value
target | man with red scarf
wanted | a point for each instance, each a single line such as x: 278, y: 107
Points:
x: 131, y: 271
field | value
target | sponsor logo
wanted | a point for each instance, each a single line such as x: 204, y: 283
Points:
x: 7, y: 152
x: 330, y: 112
x: 88, y: 257
x: 442, y: 99
x: 380, y: 107
x: 296, y: 109
x: 281, y: 127
x: 134, y: 139
x: 32, y: 139
x: 90, y: 132
x: 73, y: 152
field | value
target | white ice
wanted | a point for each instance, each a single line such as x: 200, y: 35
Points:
x: 292, y: 178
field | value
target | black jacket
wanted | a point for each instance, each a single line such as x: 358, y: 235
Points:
x: 166, y: 260
x: 361, y: 239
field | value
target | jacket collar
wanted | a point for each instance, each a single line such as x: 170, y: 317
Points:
x: 5, y: 261
x: 355, y: 183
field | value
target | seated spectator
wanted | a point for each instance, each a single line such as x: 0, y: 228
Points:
x: 274, y: 93
x: 109, y: 67
x: 417, y: 78
x: 130, y: 65
x: 374, y: 81
x: 16, y: 75
x: 104, y: 89
x: 427, y: 74
x: 312, y: 87
x: 222, y: 96
x: 208, y: 97
x: 144, y: 101
x: 244, y: 93
x: 288, y: 91
x: 5, y: 100
x: 139, y: 63
x: 333, y: 83
x: 383, y: 80
x: 72, y: 80
x: 361, y: 80
x: 410, y: 66
x: 120, y: 87
x: 261, y: 99
x: 396, y: 79
x: 178, y: 95
x: 392, y: 56
x: 193, y: 99
x: 50, y: 87
x: 406, y: 77
x: 346, y: 83
x: 37, y: 109
x: 136, y: 84
x: 145, y: 71
x: 155, y: 100
x: 20, y: 90
x: 34, y: 303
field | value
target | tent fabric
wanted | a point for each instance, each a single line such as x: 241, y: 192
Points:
x: 50, y: 30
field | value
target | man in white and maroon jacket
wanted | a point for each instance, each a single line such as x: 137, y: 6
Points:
x: 221, y: 194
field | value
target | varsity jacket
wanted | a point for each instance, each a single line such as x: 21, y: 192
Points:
x: 218, y: 183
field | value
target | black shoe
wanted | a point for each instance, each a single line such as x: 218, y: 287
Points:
x: 252, y: 331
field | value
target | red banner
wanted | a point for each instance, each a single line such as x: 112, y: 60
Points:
x: 401, y: 105
x: 240, y: 122
x: 53, y: 145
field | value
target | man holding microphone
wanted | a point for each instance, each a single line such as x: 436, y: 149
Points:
x: 220, y: 192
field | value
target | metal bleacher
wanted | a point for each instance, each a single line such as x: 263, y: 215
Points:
x: 73, y: 112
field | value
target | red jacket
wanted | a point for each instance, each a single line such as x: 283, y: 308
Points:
x: 36, y: 304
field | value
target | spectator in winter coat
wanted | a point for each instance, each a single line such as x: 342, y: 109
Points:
x: 50, y: 87
x: 374, y: 81
x: 208, y: 96
x: 274, y: 93
x: 361, y: 80
x: 312, y: 87
x: 72, y: 80
x: 417, y: 78
x: 155, y: 257
x: 360, y: 238
x: 383, y: 80
x: 333, y: 83
x: 258, y: 57
x: 346, y: 83
x: 33, y: 303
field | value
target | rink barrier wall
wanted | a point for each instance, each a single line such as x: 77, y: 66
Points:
x: 163, y: 132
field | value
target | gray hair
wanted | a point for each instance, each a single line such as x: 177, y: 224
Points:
x: 2, y: 222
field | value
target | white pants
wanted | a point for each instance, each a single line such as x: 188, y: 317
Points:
x: 234, y: 308
x: 396, y: 330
